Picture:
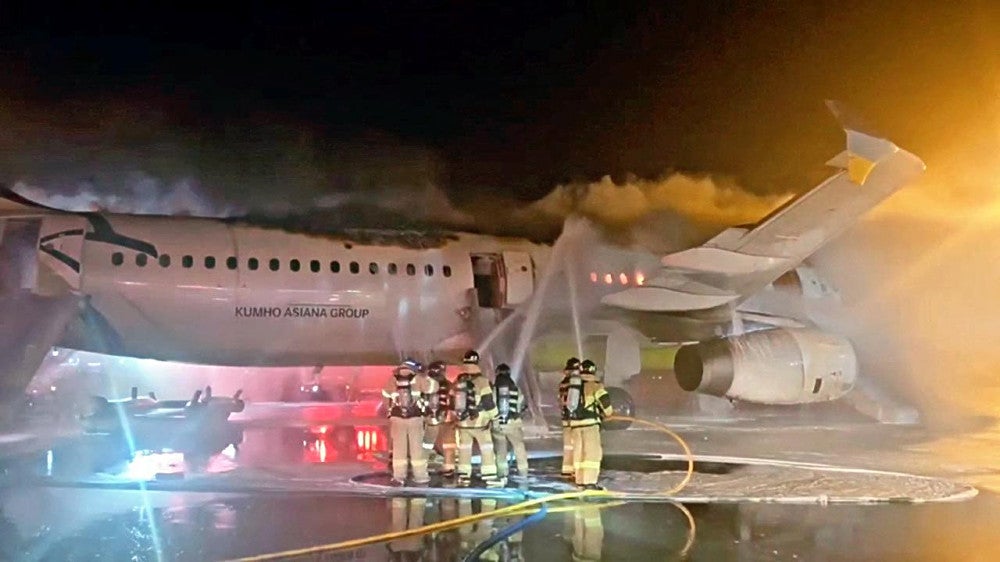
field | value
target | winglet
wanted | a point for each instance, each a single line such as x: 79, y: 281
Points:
x: 864, y: 150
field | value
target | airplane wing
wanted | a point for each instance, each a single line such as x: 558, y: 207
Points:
x: 740, y: 262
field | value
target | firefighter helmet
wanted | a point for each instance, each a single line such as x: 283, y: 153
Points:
x: 503, y: 369
x: 412, y: 364
x: 471, y: 357
x: 436, y: 368
x: 588, y: 367
x: 572, y: 364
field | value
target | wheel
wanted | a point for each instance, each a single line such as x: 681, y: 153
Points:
x: 623, y: 405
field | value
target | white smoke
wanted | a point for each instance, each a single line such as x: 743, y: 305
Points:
x: 920, y: 280
x: 145, y: 196
x: 661, y: 215
x: 122, y: 157
x: 699, y: 199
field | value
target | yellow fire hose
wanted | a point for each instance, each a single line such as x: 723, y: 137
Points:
x: 516, y: 509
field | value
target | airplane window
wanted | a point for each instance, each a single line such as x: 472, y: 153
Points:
x: 446, y: 270
x: 274, y: 264
x: 117, y: 258
x: 373, y: 268
x: 314, y: 266
x: 187, y: 261
x: 335, y: 266
x: 355, y: 267
x: 411, y: 269
x: 209, y: 262
x: 391, y: 268
x: 231, y: 262
x: 165, y: 260
x: 429, y: 270
x: 294, y: 265
x: 140, y: 260
x: 253, y: 264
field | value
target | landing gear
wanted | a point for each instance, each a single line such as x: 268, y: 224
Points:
x: 623, y: 405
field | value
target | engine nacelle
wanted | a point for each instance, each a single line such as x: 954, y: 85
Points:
x: 779, y: 366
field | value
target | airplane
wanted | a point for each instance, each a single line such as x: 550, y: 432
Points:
x: 245, y: 292
x: 203, y: 408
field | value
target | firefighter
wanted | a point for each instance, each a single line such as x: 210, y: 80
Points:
x: 405, y: 394
x: 440, y: 428
x: 474, y: 408
x: 508, y: 425
x: 572, y: 369
x: 587, y: 405
x: 407, y: 514
x: 588, y: 534
x: 473, y: 534
x: 446, y: 545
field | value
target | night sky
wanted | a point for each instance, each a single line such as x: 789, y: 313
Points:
x: 485, y: 102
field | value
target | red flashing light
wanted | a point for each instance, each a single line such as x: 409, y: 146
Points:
x: 366, y: 438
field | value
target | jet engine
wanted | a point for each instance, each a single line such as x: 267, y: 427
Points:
x: 778, y: 366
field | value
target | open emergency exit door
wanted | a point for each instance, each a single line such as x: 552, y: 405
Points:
x: 19, y: 254
x: 503, y: 280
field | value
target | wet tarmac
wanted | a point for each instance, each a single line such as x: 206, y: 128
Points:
x: 88, y: 497
x: 72, y: 524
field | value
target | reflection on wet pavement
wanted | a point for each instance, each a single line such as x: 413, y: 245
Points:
x: 200, y: 527
x: 43, y: 521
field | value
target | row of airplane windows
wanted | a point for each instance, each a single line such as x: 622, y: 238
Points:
x: 274, y: 264
x: 623, y: 278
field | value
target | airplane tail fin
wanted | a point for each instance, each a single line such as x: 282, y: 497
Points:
x: 739, y: 261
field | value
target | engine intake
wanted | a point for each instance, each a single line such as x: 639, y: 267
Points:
x: 780, y: 366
